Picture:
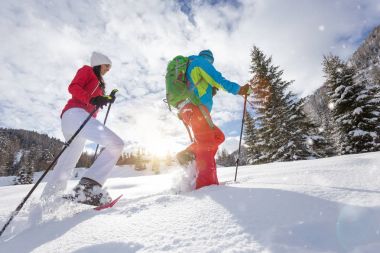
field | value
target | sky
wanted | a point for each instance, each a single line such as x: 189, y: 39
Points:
x: 44, y: 43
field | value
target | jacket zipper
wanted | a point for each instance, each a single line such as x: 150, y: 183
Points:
x: 95, y: 89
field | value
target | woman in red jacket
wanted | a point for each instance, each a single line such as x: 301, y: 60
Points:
x: 88, y: 91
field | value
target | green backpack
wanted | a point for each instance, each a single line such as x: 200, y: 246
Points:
x: 177, y: 85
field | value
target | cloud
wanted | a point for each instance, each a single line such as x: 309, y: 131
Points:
x: 46, y: 42
x: 230, y: 144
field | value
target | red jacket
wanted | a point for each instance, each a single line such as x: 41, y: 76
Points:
x: 84, y: 86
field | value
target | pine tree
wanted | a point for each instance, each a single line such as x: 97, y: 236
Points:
x: 366, y: 116
x: 25, y: 172
x: 140, y: 163
x: 24, y: 176
x: 221, y: 157
x: 283, y: 130
x: 327, y: 128
x: 251, y: 139
x: 225, y: 159
x: 86, y: 159
x: 316, y: 140
x: 376, y: 101
x: 355, y: 107
x: 262, y: 104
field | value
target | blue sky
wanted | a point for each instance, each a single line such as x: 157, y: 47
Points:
x: 44, y: 43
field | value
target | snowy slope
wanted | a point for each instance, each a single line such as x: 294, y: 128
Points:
x: 327, y: 205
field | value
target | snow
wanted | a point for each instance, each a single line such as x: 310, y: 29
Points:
x: 325, y: 205
x: 331, y: 106
x: 358, y: 132
x: 357, y: 111
x: 18, y: 156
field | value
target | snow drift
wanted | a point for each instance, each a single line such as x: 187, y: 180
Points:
x: 326, y: 205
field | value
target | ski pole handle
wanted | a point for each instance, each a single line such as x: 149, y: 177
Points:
x: 113, y: 92
x: 111, y: 96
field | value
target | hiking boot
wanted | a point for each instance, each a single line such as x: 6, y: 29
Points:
x: 185, y: 157
x: 90, y: 192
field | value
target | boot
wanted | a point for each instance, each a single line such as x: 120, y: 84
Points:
x: 185, y: 157
x: 90, y: 192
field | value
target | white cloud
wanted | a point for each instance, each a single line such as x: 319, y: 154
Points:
x: 230, y: 144
x: 46, y: 42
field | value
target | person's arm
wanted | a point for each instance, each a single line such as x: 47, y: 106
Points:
x: 206, y: 71
x: 76, y: 88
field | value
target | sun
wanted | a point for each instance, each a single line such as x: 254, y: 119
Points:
x: 159, y: 145
x: 154, y: 137
x: 157, y: 148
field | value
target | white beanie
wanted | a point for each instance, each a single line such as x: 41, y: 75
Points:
x: 99, y: 59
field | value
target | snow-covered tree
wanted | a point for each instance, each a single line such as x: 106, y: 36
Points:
x: 354, y: 107
x: 24, y: 176
x: 225, y: 159
x: 251, y: 139
x: 283, y: 130
x: 25, y: 172
x: 313, y: 136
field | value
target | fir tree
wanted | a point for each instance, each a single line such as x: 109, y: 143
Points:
x: 225, y: 159
x: 316, y: 140
x: 24, y: 176
x: 251, y: 139
x: 25, y: 172
x: 355, y: 109
x: 140, y: 162
x: 283, y: 130
x: 366, y: 118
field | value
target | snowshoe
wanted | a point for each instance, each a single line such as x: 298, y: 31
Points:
x: 89, y: 192
x: 185, y: 157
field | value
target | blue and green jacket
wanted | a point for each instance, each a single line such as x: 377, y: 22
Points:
x: 203, y: 76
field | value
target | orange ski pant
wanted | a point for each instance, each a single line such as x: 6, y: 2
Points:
x: 206, y: 142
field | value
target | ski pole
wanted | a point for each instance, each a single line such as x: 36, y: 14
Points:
x: 113, y: 92
x: 241, y: 134
x: 66, y: 145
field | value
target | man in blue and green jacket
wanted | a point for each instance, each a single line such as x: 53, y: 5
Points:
x: 204, y: 81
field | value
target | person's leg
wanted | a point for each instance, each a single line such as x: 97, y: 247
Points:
x: 206, y: 144
x: 94, y: 131
x: 205, y: 159
x: 62, y: 171
x: 113, y: 146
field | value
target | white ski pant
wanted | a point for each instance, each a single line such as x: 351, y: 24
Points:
x: 94, y: 131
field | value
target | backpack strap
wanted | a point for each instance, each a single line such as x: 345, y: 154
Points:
x: 188, y: 131
x: 206, y: 116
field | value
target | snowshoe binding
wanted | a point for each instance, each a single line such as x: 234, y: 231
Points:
x: 89, y: 192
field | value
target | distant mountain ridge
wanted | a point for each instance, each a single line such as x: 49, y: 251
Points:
x: 368, y: 54
x: 366, y: 59
x: 22, y: 148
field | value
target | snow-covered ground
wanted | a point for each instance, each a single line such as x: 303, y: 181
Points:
x: 327, y: 205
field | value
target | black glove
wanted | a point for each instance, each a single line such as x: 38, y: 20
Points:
x: 101, y: 101
x: 112, y: 98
